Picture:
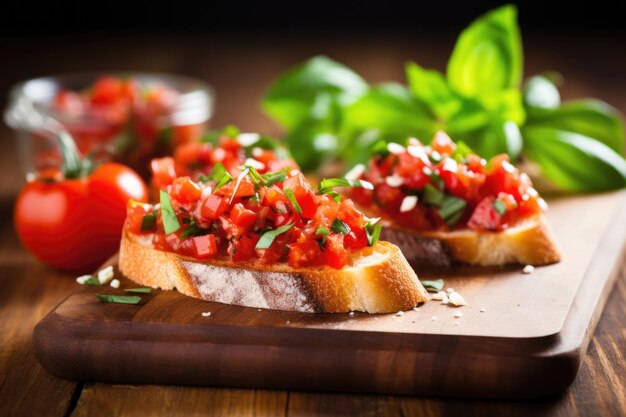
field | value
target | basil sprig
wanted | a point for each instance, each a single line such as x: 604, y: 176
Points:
x: 329, y: 112
x: 170, y: 221
x: 142, y: 290
x: 372, y: 231
x: 119, y: 299
x: 292, y: 200
x: 449, y: 207
x: 268, y: 237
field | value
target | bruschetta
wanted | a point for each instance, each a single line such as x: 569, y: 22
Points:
x: 266, y: 241
x: 443, y: 204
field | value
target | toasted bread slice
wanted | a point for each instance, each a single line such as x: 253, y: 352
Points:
x: 529, y: 242
x: 379, y: 280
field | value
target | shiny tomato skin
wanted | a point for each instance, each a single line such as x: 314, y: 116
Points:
x: 204, y: 246
x: 185, y: 191
x: 485, y: 216
x: 242, y: 217
x: 213, y: 206
x: 76, y: 225
x: 163, y: 171
x: 306, y: 200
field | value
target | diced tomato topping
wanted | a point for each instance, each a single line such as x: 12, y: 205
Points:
x: 304, y: 253
x: 106, y: 90
x: 242, y: 217
x: 243, y: 248
x: 204, y: 246
x: 243, y: 188
x: 135, y: 212
x: 185, y: 191
x: 335, y: 254
x: 213, y: 206
x: 485, y: 216
x: 443, y: 144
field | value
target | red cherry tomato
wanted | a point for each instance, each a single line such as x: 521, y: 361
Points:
x: 76, y: 224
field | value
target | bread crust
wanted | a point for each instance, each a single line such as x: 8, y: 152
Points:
x: 380, y: 280
x: 530, y: 242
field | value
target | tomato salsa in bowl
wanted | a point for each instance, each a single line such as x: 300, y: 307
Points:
x: 125, y: 117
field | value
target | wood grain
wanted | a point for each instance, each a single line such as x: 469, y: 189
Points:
x: 591, y: 66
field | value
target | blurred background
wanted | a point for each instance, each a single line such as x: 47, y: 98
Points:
x: 240, y: 48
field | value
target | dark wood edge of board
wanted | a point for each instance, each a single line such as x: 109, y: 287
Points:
x: 529, y: 360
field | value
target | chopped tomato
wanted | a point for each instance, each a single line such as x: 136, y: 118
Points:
x: 204, y: 246
x: 185, y: 191
x: 335, y: 254
x: 242, y: 217
x: 213, y: 206
x: 443, y: 144
x: 163, y: 171
x: 304, y: 253
x: 485, y: 216
x: 243, y: 188
x: 243, y: 249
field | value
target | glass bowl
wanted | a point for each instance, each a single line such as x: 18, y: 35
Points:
x: 158, y: 112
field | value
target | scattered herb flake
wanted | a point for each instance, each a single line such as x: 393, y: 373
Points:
x: 268, y: 237
x: 143, y: 290
x: 148, y: 221
x: 434, y: 285
x: 328, y: 184
x: 499, y: 207
x: 119, y: 299
x: 339, y: 226
x: 292, y: 199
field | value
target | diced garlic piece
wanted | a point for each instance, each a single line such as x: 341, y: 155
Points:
x: 456, y: 299
x: 351, y: 314
x: 356, y: 172
x: 395, y: 148
x: 248, y: 139
x: 206, y: 314
x: 394, y: 181
x: 105, y: 275
x: 257, y: 152
x: 528, y: 269
x: 439, y: 295
x: 115, y: 283
x: 458, y: 314
x: 445, y: 300
x: 408, y: 203
x: 82, y: 279
x: 400, y: 314
x: 255, y: 164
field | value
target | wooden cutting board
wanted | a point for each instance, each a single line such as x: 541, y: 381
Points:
x: 521, y: 336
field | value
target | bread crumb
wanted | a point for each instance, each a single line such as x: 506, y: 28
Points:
x: 456, y: 323
x: 449, y: 290
x: 483, y: 310
x: 351, y: 314
x: 445, y: 300
x: 83, y: 278
x: 439, y: 295
x: 412, y: 321
x: 528, y: 269
x: 433, y: 318
x: 458, y: 314
x: 400, y: 314
x: 206, y: 314
x: 288, y: 322
x: 258, y: 309
x: 115, y: 283
x: 457, y: 299
x: 416, y: 309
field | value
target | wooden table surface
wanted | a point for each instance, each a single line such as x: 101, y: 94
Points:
x: 240, y: 69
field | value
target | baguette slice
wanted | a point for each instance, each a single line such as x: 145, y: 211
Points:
x: 379, y: 280
x: 529, y: 242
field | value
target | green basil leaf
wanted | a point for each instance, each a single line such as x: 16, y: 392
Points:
x: 499, y: 207
x: 488, y: 54
x: 372, y: 232
x: 540, y: 92
x: 143, y: 290
x: 119, y: 299
x: 575, y: 162
x: 322, y: 231
x: 433, y: 286
x: 292, y: 97
x: 170, y: 221
x: 192, y: 230
x: 93, y: 281
x: 148, y: 221
x: 461, y: 152
x: 505, y: 105
x: 272, y: 178
x: 451, y: 209
x: 592, y: 118
x: 327, y: 184
x: 498, y: 137
x: 268, y: 237
x: 340, y: 226
x: 313, y: 143
x: 218, y: 172
x: 431, y: 87
x: 432, y: 195
x: 292, y: 199
x: 226, y: 178
x: 391, y: 110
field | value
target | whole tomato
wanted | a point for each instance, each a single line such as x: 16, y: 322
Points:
x: 76, y: 224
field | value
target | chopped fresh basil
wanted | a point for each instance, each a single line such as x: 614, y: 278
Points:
x: 372, y: 231
x: 148, y: 221
x: 93, y: 281
x: 340, y: 226
x: 192, y: 230
x: 499, y: 207
x: 432, y: 195
x: 217, y: 172
x: 273, y: 177
x: 379, y: 148
x: 327, y: 184
x: 322, y: 231
x: 292, y: 199
x: 119, y: 299
x: 434, y: 177
x: 433, y: 286
x: 170, y: 221
x: 451, y: 209
x: 226, y: 178
x: 268, y: 237
x: 461, y: 152
x: 143, y: 290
